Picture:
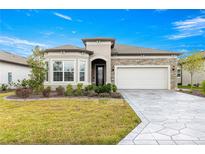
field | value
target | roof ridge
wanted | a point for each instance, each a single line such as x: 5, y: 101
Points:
x: 144, y: 47
x: 13, y: 54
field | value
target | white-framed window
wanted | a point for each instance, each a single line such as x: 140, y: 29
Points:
x: 47, y: 70
x: 9, y: 77
x: 82, y: 67
x: 178, y: 73
x: 58, y: 71
x: 69, y: 70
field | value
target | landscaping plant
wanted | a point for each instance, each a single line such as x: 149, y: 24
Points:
x: 46, y: 92
x: 69, y: 90
x: 193, y: 64
x: 79, y: 90
x: 4, y: 87
x: 203, y: 86
x: 38, y: 70
x: 114, y: 88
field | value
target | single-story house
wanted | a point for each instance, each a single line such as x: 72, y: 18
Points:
x: 104, y: 61
x: 184, y: 77
x: 12, y: 68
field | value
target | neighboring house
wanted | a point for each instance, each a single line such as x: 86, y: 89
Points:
x: 184, y: 77
x: 12, y: 68
x: 104, y: 61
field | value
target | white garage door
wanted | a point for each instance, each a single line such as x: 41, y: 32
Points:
x: 142, y: 77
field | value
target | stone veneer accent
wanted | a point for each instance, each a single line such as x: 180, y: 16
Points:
x: 148, y: 61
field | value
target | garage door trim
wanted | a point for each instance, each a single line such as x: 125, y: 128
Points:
x: 145, y: 66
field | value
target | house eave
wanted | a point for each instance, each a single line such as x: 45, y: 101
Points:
x: 69, y: 50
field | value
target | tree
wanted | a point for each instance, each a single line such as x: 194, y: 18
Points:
x: 38, y: 71
x: 193, y: 64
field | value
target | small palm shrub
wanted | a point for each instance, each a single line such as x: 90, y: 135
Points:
x: 46, y: 92
x: 60, y: 91
x: 79, y: 90
x: 69, y: 90
x: 114, y: 88
x: 203, y: 86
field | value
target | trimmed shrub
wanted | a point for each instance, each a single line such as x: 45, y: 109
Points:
x: 203, y: 86
x: 69, y: 90
x: 79, y: 90
x: 4, y: 87
x: 92, y: 94
x: 46, y: 92
x: 108, y: 88
x: 189, y: 85
x: 60, y: 91
x: 104, y: 95
x: 23, y: 92
x: 90, y: 87
x: 115, y: 95
x: 114, y: 88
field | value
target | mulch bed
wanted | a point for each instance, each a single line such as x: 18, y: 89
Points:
x: 53, y: 95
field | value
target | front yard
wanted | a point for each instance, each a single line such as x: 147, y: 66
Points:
x: 65, y: 121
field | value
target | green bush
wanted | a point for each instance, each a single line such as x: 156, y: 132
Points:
x: 106, y: 88
x: 114, y: 88
x: 79, y: 90
x: 60, y: 91
x: 69, y: 90
x: 46, y: 92
x: 4, y: 87
x: 203, y: 86
x: 90, y: 87
x: 99, y: 89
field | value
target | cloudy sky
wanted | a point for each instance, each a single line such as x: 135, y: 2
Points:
x: 174, y: 30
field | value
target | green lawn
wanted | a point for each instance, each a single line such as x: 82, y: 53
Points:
x: 65, y: 121
x: 189, y: 87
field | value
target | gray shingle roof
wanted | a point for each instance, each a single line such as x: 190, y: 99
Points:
x: 66, y: 47
x: 120, y: 49
x: 12, y: 58
x: 69, y: 48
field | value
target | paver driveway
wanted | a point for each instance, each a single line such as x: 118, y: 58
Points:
x: 168, y: 117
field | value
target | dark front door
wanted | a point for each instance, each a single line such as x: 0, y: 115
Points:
x: 100, y: 74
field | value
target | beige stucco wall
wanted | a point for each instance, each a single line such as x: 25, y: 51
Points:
x: 63, y: 56
x: 148, y: 61
x: 102, y: 50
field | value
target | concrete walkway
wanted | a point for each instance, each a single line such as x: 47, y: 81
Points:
x: 168, y: 118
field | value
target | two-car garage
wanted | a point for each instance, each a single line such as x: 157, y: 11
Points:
x: 142, y: 77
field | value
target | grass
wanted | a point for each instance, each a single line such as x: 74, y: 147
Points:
x: 65, y: 121
x: 189, y: 87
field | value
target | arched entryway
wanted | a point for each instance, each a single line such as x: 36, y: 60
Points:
x: 98, y: 71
